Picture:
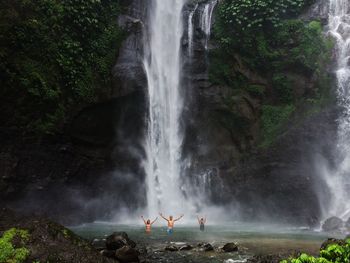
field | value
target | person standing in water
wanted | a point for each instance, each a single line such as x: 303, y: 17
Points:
x: 148, y: 224
x: 171, y: 222
x: 201, y: 222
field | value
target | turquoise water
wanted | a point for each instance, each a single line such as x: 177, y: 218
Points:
x: 252, y: 238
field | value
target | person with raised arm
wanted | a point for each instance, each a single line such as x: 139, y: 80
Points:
x: 148, y: 224
x: 201, y: 222
x: 171, y: 222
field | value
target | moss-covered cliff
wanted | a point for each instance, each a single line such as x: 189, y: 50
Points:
x: 56, y: 57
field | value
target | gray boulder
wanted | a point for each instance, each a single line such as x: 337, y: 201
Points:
x: 333, y: 224
x: 347, y: 224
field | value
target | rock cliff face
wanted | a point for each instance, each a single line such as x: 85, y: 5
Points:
x: 279, y: 182
x: 85, y: 172
x: 94, y: 167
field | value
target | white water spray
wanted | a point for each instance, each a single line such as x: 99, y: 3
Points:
x: 167, y: 191
x: 164, y: 138
x: 191, y: 31
x: 206, y: 20
x: 339, y: 180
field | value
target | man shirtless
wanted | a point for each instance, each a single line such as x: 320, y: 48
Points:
x: 201, y: 222
x: 148, y: 224
x: 171, y: 222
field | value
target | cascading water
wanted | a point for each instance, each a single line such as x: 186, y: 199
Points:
x: 164, y: 138
x: 206, y: 20
x: 191, y: 31
x: 167, y: 191
x: 339, y: 180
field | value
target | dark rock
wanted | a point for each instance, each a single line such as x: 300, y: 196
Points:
x: 186, y: 247
x: 207, y: 247
x: 118, y: 240
x: 330, y: 241
x: 318, y: 11
x: 49, y: 241
x: 127, y: 254
x: 332, y: 224
x: 230, y: 247
x: 108, y: 253
x: 99, y: 244
x: 171, y: 248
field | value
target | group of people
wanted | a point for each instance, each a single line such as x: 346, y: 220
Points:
x: 171, y: 221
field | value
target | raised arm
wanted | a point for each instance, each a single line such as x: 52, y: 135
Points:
x: 163, y: 217
x: 144, y: 220
x: 199, y: 221
x: 177, y: 219
x: 154, y: 221
x: 205, y: 219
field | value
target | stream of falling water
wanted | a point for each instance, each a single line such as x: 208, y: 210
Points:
x: 166, y: 191
x: 164, y: 138
x: 339, y: 180
x: 206, y: 20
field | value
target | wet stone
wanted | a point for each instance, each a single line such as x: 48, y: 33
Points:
x: 171, y: 248
x: 230, y: 247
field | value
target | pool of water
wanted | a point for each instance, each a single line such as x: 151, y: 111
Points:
x: 253, y: 239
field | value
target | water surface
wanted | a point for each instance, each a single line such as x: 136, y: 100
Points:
x: 252, y: 238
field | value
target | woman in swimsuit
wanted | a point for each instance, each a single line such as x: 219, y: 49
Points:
x: 148, y: 224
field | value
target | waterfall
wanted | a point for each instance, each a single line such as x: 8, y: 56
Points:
x: 162, y: 62
x: 339, y: 180
x: 190, y: 31
x: 206, y: 20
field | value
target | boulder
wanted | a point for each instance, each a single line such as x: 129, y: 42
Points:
x: 48, y: 241
x: 332, y: 224
x: 186, y: 247
x: 127, y: 254
x: 108, y: 253
x: 230, y: 247
x: 118, y: 240
x: 171, y: 248
x: 347, y: 224
x: 207, y: 247
x: 99, y: 244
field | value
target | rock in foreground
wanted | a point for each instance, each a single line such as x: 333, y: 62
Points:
x: 48, y: 241
x: 127, y: 254
x: 118, y: 240
x: 230, y: 247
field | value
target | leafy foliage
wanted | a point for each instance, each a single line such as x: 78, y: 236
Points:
x: 334, y: 253
x: 54, y: 55
x: 273, y: 118
x: 10, y: 254
x: 264, y: 38
x: 247, y: 15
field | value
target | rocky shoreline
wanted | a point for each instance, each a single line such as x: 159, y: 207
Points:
x: 49, y: 241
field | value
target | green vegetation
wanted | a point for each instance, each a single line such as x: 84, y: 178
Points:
x: 273, y: 118
x: 264, y: 41
x: 334, y: 253
x: 54, y: 57
x: 8, y: 252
